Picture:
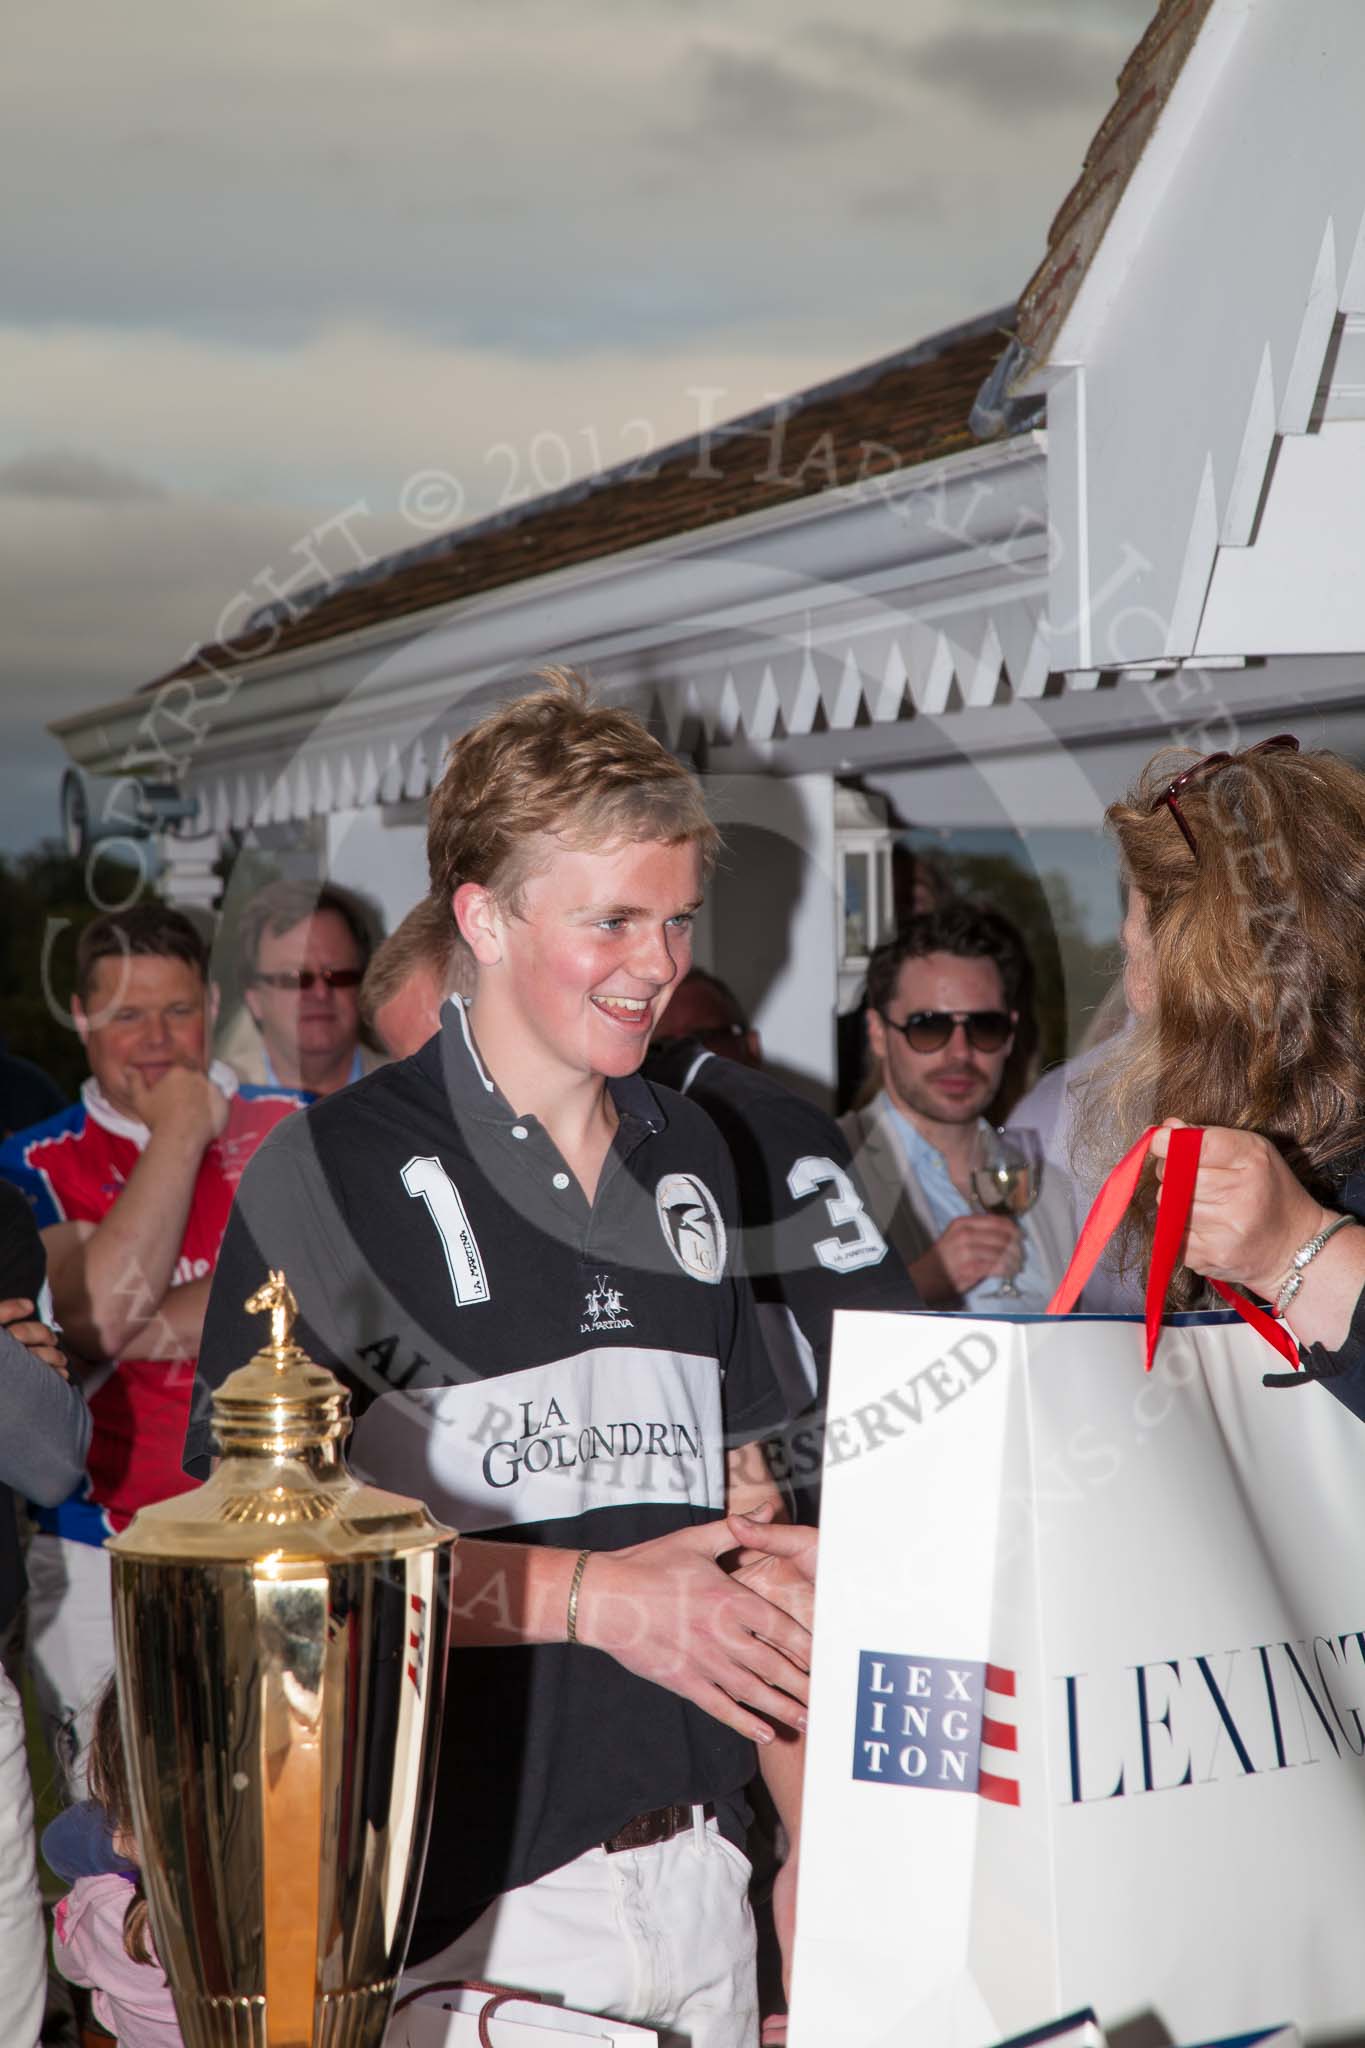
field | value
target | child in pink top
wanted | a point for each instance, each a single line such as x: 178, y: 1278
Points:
x: 103, y: 1939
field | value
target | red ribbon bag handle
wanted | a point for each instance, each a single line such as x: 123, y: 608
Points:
x: 1172, y: 1221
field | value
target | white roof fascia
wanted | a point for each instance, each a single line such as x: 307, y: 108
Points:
x: 979, y: 508
x: 1199, y: 333
x: 1175, y: 129
x: 1060, y: 761
x: 1298, y: 588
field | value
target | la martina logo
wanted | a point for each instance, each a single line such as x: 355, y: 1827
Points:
x: 604, y: 1309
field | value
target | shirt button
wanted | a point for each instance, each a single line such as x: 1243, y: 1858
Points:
x: 520, y: 1131
x: 561, y: 1180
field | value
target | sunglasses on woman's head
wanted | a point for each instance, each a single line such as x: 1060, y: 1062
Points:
x: 930, y: 1030
x: 1205, y: 770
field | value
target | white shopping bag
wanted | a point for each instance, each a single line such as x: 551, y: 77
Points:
x: 450, y: 2019
x: 1088, y: 1704
x: 1263, y: 2037
x: 1074, y: 2030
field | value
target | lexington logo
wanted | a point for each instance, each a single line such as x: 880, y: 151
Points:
x: 942, y: 1723
x: 1201, y: 1717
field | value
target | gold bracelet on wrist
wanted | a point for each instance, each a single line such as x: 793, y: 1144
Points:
x: 575, y: 1587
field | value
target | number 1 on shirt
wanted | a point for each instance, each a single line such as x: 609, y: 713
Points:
x: 429, y: 1179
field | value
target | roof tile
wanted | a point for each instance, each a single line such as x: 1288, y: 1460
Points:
x: 907, y: 409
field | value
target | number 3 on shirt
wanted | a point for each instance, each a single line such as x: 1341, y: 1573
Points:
x: 845, y: 1205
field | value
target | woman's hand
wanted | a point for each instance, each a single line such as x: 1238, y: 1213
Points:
x: 1249, y: 1217
x: 1250, y: 1214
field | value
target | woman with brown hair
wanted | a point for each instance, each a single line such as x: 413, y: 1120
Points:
x: 1244, y: 945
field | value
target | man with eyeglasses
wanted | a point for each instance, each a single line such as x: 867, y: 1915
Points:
x: 943, y: 1004
x: 302, y: 949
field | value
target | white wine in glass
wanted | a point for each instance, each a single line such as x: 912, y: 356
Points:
x: 1007, y: 1173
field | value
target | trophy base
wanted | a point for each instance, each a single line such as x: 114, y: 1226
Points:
x: 345, y: 2019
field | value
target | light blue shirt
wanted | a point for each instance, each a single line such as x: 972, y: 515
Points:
x: 273, y: 1080
x: 944, y: 1200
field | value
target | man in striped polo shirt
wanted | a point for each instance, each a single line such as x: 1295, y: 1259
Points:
x: 519, y: 1256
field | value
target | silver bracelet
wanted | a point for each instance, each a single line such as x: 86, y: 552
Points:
x: 1304, y: 1256
x: 575, y: 1587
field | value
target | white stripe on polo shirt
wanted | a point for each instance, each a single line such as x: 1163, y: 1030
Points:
x: 604, y: 1428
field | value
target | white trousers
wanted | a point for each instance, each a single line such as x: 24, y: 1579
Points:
x: 661, y: 1936
x: 70, y: 1645
x: 23, y: 1944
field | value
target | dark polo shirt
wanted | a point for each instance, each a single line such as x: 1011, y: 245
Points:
x: 537, y: 1369
x: 810, y: 1243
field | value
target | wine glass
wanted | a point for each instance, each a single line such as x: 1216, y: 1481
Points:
x: 1007, y: 1172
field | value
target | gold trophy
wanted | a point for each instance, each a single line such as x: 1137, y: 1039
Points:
x: 282, y: 1637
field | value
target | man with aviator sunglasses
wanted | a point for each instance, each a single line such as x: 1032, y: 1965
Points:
x: 303, y: 949
x: 943, y: 1003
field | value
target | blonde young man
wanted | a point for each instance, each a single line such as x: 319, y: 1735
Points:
x: 520, y: 1257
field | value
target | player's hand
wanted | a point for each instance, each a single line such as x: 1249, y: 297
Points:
x: 1250, y: 1212
x: 18, y: 1317
x: 666, y: 1611
x: 778, y: 1559
x: 970, y: 1250
x: 183, y: 1100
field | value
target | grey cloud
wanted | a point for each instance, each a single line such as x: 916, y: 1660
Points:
x: 424, y: 170
x: 1019, y: 73
x: 494, y: 188
x: 97, y: 598
x: 1012, y: 73
x: 911, y: 198
x: 1131, y: 16
x: 68, y: 473
x: 747, y: 99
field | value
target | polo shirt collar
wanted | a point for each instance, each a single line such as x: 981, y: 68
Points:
x: 678, y: 1061
x: 103, y: 1112
x: 475, y: 1094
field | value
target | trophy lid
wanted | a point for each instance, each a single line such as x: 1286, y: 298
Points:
x: 280, y: 1421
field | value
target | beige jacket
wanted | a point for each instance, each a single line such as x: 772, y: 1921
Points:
x: 898, y: 1207
x: 242, y: 1046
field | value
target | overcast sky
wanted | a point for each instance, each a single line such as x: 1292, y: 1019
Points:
x: 265, y: 262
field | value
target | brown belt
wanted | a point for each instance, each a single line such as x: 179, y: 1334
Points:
x: 661, y: 1824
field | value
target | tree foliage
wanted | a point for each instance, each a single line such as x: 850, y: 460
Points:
x: 45, y: 898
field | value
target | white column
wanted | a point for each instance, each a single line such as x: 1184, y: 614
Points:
x: 385, y: 863
x: 187, y: 879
